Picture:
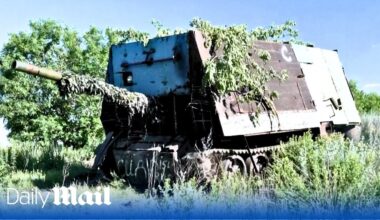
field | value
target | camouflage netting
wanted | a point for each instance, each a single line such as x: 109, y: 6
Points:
x: 135, y: 102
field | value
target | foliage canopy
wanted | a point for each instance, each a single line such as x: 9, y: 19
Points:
x: 232, y: 67
x: 365, y: 102
x: 32, y: 107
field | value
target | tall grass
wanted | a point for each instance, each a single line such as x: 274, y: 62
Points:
x: 329, y: 172
x: 26, y: 165
x: 371, y: 129
x: 322, y: 174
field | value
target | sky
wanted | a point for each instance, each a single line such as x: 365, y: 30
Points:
x: 350, y: 26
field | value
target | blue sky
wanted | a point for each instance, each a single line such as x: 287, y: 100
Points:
x: 350, y: 26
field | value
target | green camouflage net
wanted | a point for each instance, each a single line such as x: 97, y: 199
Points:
x: 78, y: 84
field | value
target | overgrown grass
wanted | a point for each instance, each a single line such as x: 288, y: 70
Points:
x: 330, y: 172
x: 371, y: 129
x: 26, y: 165
x: 318, y: 174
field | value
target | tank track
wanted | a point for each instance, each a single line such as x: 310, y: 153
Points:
x: 213, y: 162
x: 243, y: 151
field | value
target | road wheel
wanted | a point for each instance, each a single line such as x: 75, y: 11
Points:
x: 353, y: 132
x: 233, y: 165
x: 260, y: 162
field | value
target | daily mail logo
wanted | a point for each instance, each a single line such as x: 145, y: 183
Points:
x: 61, y: 196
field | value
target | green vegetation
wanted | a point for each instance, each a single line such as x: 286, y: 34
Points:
x: 26, y: 165
x: 365, y: 102
x: 318, y: 174
x: 46, y: 127
x: 36, y: 113
x: 53, y: 138
x: 232, y: 66
x: 370, y: 129
x: 32, y: 106
x: 234, y: 69
x: 33, y: 109
x: 328, y: 172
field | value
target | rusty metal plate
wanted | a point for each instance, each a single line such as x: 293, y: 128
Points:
x: 293, y: 92
x: 294, y: 95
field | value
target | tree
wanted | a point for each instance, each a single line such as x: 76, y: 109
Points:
x: 32, y: 106
x: 365, y: 102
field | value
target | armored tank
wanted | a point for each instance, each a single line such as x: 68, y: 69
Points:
x: 184, y: 126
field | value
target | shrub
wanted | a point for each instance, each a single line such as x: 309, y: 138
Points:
x: 329, y: 172
x: 30, y: 165
x: 371, y: 129
x: 365, y: 102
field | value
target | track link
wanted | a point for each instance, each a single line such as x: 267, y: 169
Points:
x: 242, y: 151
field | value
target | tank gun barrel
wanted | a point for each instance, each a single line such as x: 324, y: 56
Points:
x: 134, y: 101
x: 37, y: 71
